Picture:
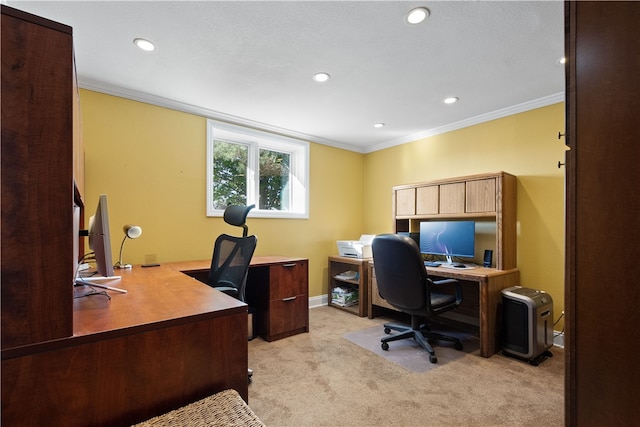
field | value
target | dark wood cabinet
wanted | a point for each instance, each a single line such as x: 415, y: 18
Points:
x: 87, y: 361
x: 279, y: 294
x: 37, y: 179
x: 602, y: 211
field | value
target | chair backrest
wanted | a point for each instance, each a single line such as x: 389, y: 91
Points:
x: 230, y: 264
x: 232, y: 255
x: 400, y: 272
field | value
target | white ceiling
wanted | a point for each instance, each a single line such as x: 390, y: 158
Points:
x: 251, y: 62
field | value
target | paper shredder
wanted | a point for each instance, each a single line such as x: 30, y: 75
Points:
x: 527, y: 323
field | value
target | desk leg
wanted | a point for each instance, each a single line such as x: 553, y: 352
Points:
x: 490, y: 315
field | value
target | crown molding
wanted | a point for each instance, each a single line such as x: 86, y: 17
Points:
x: 504, y: 112
x: 216, y: 115
x: 204, y: 112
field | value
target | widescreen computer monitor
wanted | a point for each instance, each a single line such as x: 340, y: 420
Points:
x: 448, y: 238
x: 100, y: 239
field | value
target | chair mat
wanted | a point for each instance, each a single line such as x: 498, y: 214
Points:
x: 408, y: 353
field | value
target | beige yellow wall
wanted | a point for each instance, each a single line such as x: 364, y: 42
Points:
x: 151, y: 163
x: 525, y: 145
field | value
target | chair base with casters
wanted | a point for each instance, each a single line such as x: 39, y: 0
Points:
x: 420, y: 332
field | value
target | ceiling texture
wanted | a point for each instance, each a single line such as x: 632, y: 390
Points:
x: 252, y: 62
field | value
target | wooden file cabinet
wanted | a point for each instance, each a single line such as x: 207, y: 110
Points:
x: 279, y: 293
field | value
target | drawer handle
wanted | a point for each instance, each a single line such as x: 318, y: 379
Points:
x: 289, y: 299
x: 289, y: 265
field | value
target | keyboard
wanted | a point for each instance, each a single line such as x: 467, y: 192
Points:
x: 431, y: 264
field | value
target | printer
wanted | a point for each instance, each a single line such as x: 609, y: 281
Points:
x: 356, y: 248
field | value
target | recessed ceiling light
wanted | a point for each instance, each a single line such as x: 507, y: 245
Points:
x: 378, y: 125
x: 450, y: 100
x: 417, y: 15
x: 321, y: 77
x: 145, y: 45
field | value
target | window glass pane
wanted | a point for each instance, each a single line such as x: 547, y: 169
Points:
x: 229, y: 174
x: 248, y: 166
x: 275, y: 193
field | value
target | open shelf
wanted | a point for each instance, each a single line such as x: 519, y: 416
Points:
x: 338, y: 266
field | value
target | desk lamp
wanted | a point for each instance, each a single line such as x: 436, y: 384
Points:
x: 130, y: 232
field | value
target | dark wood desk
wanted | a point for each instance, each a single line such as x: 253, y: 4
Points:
x: 169, y: 341
x: 277, y: 290
x: 489, y: 283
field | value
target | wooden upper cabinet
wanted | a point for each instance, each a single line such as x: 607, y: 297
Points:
x: 458, y: 196
x: 452, y: 198
x: 427, y: 200
x: 405, y: 201
x: 487, y: 197
x: 481, y: 195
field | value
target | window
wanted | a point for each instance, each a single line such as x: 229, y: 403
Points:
x: 247, y: 166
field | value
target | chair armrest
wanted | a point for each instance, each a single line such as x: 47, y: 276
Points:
x: 444, y: 281
x: 229, y: 290
x: 454, y: 282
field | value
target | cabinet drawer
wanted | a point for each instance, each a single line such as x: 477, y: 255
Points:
x: 288, y: 314
x: 376, y: 299
x: 288, y: 279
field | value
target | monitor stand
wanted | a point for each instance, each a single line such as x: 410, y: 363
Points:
x: 448, y: 262
x: 95, y: 282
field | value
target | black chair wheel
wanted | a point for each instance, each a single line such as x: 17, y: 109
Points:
x: 387, y: 330
x: 458, y: 346
x: 385, y: 346
x: 433, y: 358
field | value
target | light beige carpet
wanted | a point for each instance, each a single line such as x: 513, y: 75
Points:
x: 322, y: 379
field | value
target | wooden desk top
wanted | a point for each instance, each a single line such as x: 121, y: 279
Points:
x: 481, y: 274
x: 155, y: 295
x: 477, y: 274
x: 256, y: 261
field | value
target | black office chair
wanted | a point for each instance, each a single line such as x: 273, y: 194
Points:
x: 231, y: 258
x: 403, y: 282
x: 231, y: 255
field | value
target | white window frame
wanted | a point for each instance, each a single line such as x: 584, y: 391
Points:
x: 257, y: 139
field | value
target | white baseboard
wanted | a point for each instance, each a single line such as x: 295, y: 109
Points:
x: 558, y: 339
x: 318, y: 301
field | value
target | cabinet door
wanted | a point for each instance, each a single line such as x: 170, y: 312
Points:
x: 452, y: 198
x: 481, y: 195
x: 406, y: 201
x: 288, y: 280
x: 427, y: 200
x: 37, y: 241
